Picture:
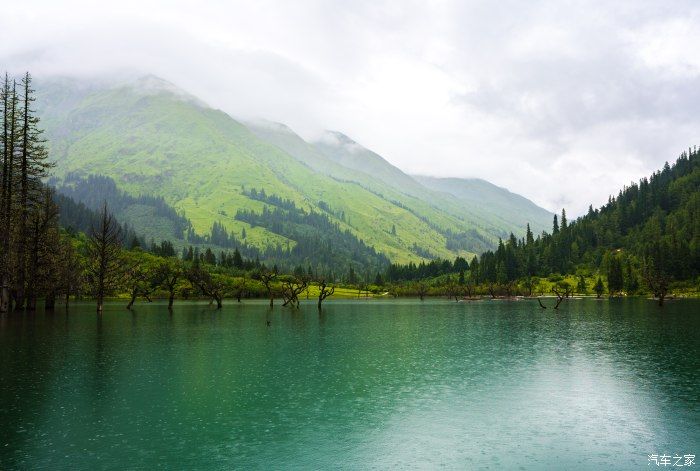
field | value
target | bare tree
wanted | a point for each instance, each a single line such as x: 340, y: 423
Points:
x: 267, y: 278
x: 168, y: 274
x: 240, y: 287
x: 421, y: 289
x: 323, y: 292
x: 208, y: 285
x: 292, y: 288
x: 69, y: 273
x: 44, y: 248
x: 105, y: 267
x: 560, y: 295
x: 491, y: 287
x: 452, y: 290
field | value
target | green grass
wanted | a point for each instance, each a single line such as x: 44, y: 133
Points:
x: 200, y: 159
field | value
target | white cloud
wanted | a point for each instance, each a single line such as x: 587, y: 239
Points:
x: 563, y: 102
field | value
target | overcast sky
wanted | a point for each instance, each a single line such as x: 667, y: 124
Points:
x: 563, y: 102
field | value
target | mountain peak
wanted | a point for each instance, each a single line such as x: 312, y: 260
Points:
x: 153, y: 85
x: 339, y: 140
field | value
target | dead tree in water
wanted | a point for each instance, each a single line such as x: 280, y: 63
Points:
x: 324, y: 292
x: 560, y: 296
x: 44, y: 252
x: 10, y: 113
x: 168, y: 274
x: 207, y: 284
x: 541, y: 305
x: 105, y: 255
x: 140, y: 282
x: 267, y: 278
x: 452, y: 290
x: 421, y: 290
x: 491, y: 287
x: 291, y: 288
x: 240, y: 288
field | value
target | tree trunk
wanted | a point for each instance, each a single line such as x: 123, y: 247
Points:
x: 67, y: 299
x: 171, y: 299
x: 661, y: 299
x: 100, y: 302
x: 31, y: 302
x: 218, y: 302
x: 272, y: 301
x: 133, y: 300
x: 50, y: 301
x: 5, y: 299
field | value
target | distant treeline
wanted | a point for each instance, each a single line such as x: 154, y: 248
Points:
x: 649, y: 235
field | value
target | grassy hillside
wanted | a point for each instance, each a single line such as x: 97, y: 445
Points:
x: 494, y: 211
x: 153, y: 139
x: 501, y: 206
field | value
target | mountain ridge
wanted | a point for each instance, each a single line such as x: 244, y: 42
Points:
x: 202, y: 162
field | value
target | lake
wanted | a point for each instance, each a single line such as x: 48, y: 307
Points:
x: 364, y: 384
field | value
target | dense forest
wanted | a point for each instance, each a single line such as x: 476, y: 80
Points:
x: 642, y: 240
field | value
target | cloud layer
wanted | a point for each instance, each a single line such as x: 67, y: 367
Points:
x: 563, y: 102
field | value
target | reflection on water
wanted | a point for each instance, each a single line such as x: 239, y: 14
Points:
x: 363, y: 384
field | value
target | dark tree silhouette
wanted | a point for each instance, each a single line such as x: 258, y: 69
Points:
x: 268, y: 277
x: 324, y: 291
x: 105, y: 263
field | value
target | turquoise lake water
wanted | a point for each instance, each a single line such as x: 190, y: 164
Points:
x: 364, y: 384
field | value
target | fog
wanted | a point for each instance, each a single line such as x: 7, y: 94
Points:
x: 562, y: 102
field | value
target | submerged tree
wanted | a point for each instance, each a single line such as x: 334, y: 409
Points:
x: 32, y: 167
x: 240, y: 287
x: 292, y: 287
x: 268, y: 277
x: 105, y: 266
x: 140, y: 276
x: 421, y: 289
x: 9, y: 134
x: 324, y: 291
x: 208, y: 284
x: 168, y: 274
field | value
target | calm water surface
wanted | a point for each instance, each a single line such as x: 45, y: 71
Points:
x: 378, y: 384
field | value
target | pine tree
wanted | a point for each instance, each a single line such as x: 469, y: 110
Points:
x: 599, y: 287
x: 563, y: 220
x: 33, y: 166
x: 237, y: 259
x: 10, y: 102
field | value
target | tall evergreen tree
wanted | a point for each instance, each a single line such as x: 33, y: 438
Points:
x: 33, y: 167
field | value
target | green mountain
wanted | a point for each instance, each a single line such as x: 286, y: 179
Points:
x: 493, y: 202
x: 154, y: 139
